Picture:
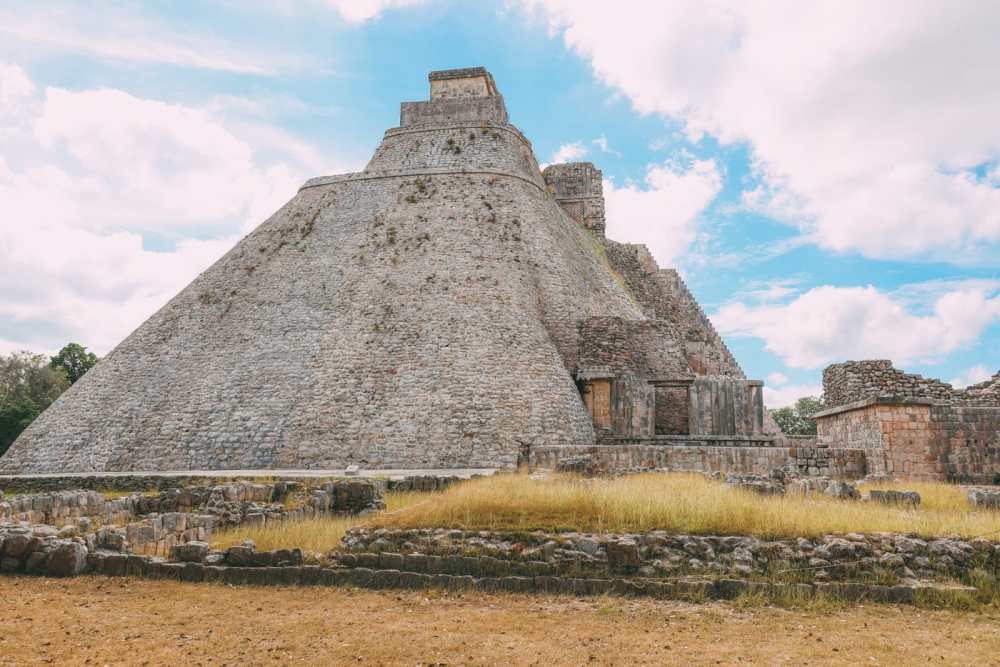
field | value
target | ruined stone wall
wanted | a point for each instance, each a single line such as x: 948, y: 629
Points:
x: 578, y: 188
x: 956, y: 443
x: 857, y: 380
x: 983, y: 393
x: 855, y: 430
x: 664, y: 295
x: 919, y: 440
x: 853, y: 381
x: 739, y: 456
x: 644, y: 348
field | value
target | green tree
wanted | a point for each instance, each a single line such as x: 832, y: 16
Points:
x: 75, y: 360
x: 798, y: 419
x: 28, y: 385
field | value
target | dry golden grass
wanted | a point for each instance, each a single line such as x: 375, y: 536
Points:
x: 315, y: 535
x: 933, y: 495
x: 123, y: 621
x: 682, y: 503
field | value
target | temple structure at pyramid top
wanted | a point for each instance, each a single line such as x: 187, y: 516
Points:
x: 450, y: 306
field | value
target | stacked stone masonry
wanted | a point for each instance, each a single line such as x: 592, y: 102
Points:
x: 854, y: 381
x: 885, y: 567
x: 911, y: 427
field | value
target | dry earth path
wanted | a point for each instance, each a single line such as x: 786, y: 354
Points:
x: 99, y: 621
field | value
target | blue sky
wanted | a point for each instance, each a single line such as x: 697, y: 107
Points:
x: 828, y: 191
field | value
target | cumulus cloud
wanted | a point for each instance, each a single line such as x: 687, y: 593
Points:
x: 358, y: 11
x: 868, y: 139
x: 778, y: 393
x: 827, y: 324
x: 664, y: 213
x: 974, y: 375
x: 570, y: 152
x: 89, y: 177
x: 785, y: 395
x: 777, y: 378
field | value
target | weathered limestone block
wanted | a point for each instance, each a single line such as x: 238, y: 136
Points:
x: 842, y: 490
x: 68, y: 559
x: 189, y: 552
x: 623, y: 556
x: 17, y: 545
x: 891, y: 497
x: 984, y: 499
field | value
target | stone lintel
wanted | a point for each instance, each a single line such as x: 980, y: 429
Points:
x: 877, y: 400
x: 692, y: 440
x: 672, y: 382
x: 458, y: 73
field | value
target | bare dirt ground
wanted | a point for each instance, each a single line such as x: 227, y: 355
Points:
x: 100, y: 621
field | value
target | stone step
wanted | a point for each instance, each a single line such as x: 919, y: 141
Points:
x: 689, y: 588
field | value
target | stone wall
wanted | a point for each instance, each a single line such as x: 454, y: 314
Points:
x: 658, y: 554
x: 886, y: 567
x: 732, y: 454
x: 918, y: 438
x: 726, y: 406
x: 233, y: 503
x: 673, y: 411
x: 664, y: 295
x: 643, y: 348
x: 578, y: 188
x: 853, y: 381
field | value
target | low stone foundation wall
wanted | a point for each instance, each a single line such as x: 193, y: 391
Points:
x: 745, y: 459
x: 137, y: 483
x: 575, y: 564
x: 66, y: 507
x: 917, y: 438
x: 233, y: 503
x: 693, y: 589
x: 886, y: 557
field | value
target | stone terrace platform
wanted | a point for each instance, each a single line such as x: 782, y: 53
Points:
x: 149, y: 480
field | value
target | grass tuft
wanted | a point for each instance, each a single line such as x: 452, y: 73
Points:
x: 317, y: 535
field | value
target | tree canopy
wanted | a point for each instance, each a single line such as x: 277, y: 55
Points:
x: 28, y: 385
x: 74, y: 360
x: 798, y: 419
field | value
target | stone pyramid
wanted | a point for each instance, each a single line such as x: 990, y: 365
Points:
x: 427, y: 312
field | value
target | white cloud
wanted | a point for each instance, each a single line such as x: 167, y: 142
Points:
x: 827, y: 324
x: 865, y: 120
x: 974, y: 375
x: 87, y: 176
x: 768, y: 290
x: 664, y: 214
x: 777, y: 379
x: 118, y: 32
x: 569, y: 153
x: 358, y: 11
x: 786, y: 395
x: 602, y: 143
